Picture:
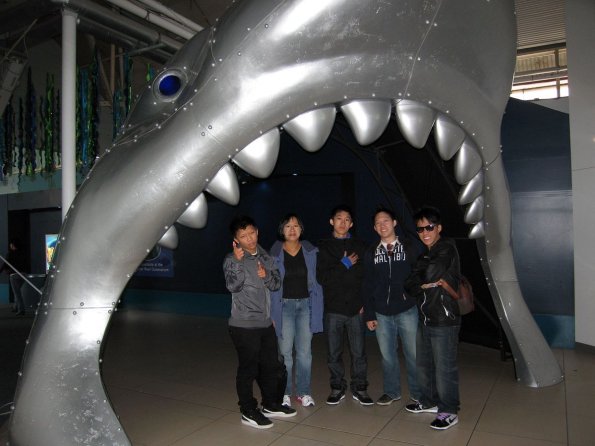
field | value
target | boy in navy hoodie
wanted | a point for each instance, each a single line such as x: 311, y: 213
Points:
x: 388, y: 310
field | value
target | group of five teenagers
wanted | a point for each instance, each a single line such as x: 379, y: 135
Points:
x: 377, y: 287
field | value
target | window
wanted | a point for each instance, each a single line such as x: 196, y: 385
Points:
x: 541, y: 74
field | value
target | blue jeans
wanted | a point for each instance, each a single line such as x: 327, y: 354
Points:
x: 336, y: 325
x: 389, y: 328
x: 296, y: 332
x: 437, y: 370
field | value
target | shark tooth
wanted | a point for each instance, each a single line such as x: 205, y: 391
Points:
x: 195, y: 215
x: 311, y: 129
x: 477, y: 231
x: 474, y: 212
x: 415, y: 121
x: 169, y: 239
x: 448, y: 136
x: 260, y: 156
x: 368, y: 119
x: 225, y: 186
x: 467, y: 163
x: 472, y: 189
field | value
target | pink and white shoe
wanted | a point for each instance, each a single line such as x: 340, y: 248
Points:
x: 306, y: 400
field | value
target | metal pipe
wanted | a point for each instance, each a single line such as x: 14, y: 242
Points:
x: 123, y: 40
x: 150, y: 16
x: 16, y: 271
x: 112, y: 20
x: 68, y: 111
x: 159, y: 7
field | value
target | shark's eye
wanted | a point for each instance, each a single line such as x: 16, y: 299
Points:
x: 169, y: 85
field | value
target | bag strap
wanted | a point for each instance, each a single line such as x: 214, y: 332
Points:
x: 450, y: 290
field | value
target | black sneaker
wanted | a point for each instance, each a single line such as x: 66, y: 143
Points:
x: 386, y: 400
x: 278, y: 410
x: 444, y: 421
x: 255, y: 418
x: 363, y: 397
x: 335, y: 396
x: 419, y: 408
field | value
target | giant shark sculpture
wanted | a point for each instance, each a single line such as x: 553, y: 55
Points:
x: 268, y: 65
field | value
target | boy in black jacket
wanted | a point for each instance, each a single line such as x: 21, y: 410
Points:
x: 439, y: 321
x: 340, y: 272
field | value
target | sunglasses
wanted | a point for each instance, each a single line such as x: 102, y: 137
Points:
x: 428, y: 228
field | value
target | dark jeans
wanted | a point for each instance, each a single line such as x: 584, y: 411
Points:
x: 437, y: 370
x: 258, y: 357
x: 336, y: 326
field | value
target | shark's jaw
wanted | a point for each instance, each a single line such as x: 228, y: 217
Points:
x: 270, y: 66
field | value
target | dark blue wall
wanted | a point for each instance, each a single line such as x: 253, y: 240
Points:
x: 536, y: 155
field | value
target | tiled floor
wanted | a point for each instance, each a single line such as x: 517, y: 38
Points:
x: 171, y: 379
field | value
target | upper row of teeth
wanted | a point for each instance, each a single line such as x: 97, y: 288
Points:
x: 368, y: 120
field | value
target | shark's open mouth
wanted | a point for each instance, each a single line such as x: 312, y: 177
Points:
x: 269, y: 66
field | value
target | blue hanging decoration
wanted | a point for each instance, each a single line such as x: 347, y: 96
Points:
x: 8, y: 140
x: 83, y: 133
x: 20, y: 143
x: 93, y: 105
x: 48, y: 125
x: 30, y: 128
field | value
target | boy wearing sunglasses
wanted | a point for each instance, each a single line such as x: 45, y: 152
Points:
x: 439, y: 321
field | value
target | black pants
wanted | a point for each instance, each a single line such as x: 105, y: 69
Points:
x: 258, y: 357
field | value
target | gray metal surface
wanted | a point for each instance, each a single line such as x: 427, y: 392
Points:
x: 267, y: 63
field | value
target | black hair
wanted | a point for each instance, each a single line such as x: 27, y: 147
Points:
x: 342, y: 208
x: 430, y: 213
x: 380, y: 209
x: 285, y: 220
x: 240, y: 222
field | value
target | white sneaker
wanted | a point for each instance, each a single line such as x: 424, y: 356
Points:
x: 286, y: 401
x: 306, y: 400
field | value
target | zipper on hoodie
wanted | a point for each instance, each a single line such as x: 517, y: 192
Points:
x: 421, y: 307
x: 390, y: 276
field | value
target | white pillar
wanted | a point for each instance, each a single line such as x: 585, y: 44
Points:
x: 68, y: 112
x: 580, y: 37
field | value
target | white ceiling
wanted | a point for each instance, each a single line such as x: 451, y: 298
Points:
x: 540, y: 23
